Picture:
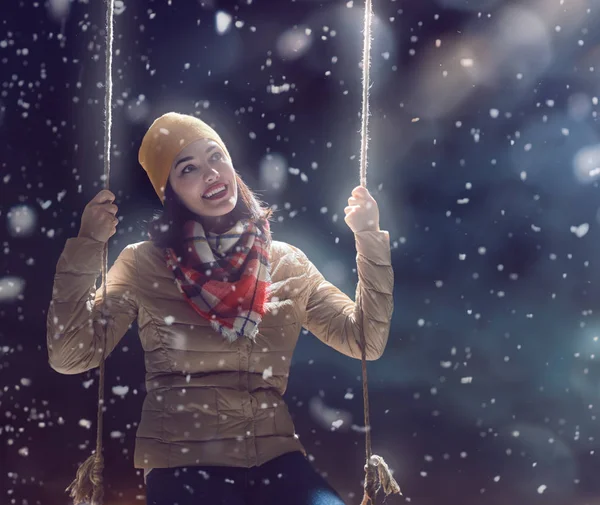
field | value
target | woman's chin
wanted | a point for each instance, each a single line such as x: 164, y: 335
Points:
x: 217, y: 209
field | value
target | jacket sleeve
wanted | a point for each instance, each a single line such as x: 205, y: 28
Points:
x: 332, y: 316
x: 74, y: 323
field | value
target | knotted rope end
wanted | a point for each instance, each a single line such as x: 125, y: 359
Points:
x: 87, y: 487
x: 378, y: 475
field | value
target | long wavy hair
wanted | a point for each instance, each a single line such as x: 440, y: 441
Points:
x: 165, y: 229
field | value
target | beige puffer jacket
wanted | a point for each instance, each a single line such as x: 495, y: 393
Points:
x: 209, y: 402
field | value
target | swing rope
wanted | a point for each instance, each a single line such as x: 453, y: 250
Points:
x: 377, y: 472
x: 88, y: 486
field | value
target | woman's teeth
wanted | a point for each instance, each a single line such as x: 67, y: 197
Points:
x: 215, y: 192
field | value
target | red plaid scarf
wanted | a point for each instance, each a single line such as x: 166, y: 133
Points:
x: 224, y: 277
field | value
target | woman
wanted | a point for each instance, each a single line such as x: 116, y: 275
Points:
x: 219, y: 306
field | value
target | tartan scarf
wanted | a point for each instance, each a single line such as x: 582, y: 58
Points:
x: 224, y: 277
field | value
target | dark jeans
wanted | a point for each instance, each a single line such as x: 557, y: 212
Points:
x: 289, y: 479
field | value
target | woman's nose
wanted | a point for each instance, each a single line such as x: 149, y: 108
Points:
x: 212, y: 175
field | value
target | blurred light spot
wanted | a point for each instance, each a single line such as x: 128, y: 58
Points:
x: 120, y: 390
x: 445, y: 76
x: 21, y: 221
x: 581, y: 230
x: 517, y: 42
x: 137, y: 110
x: 223, y: 22
x: 521, y: 42
x: 85, y: 423
x: 276, y: 90
x: 273, y: 170
x: 59, y: 9
x: 119, y: 7
x: 293, y: 43
x: 11, y: 288
x: 326, y: 416
x: 586, y: 164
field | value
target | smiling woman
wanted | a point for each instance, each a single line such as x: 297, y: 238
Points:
x: 204, y: 178
x: 196, y: 171
x: 214, y: 409
x: 218, y: 304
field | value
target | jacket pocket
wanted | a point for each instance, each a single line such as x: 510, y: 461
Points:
x: 173, y: 415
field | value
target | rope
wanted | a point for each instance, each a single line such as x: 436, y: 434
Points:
x: 88, y: 486
x: 377, y: 472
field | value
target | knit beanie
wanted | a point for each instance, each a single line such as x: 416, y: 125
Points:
x: 165, y: 139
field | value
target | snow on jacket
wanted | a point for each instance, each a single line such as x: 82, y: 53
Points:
x: 209, y: 402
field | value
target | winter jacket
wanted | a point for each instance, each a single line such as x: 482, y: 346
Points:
x: 209, y: 402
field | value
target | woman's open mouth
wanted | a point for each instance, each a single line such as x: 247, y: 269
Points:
x: 217, y: 192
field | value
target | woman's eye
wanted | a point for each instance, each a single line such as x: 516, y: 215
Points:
x: 192, y: 167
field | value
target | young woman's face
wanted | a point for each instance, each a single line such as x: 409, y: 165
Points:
x: 202, y: 169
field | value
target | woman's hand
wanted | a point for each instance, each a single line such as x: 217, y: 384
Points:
x: 99, y: 220
x: 362, y: 212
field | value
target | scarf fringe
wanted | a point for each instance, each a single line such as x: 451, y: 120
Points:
x: 230, y: 333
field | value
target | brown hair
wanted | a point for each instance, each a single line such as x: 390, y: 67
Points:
x: 166, y: 226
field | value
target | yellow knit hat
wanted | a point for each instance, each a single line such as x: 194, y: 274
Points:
x: 165, y: 138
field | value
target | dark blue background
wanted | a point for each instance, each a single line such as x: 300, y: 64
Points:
x: 489, y: 387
